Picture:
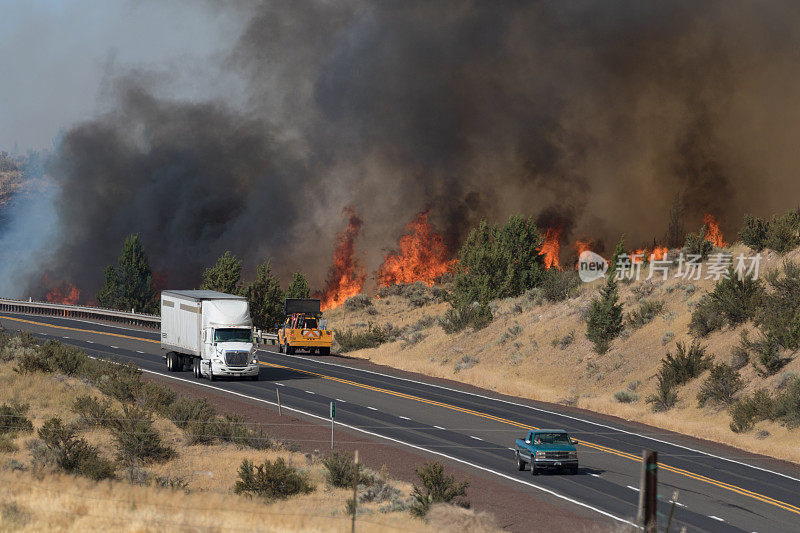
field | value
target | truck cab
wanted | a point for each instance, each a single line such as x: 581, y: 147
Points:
x: 547, y: 449
x: 304, y: 328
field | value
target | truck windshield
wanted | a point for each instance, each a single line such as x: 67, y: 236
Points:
x: 233, y: 335
x: 310, y: 323
x: 551, y: 438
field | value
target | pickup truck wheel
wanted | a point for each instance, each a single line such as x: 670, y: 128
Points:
x: 289, y: 349
x: 325, y: 351
x: 534, y: 472
x: 280, y: 347
x: 520, y: 463
x: 572, y: 471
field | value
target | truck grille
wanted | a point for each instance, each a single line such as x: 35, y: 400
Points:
x: 237, y: 358
x: 556, y: 455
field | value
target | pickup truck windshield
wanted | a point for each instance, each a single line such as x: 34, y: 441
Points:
x: 551, y: 438
x: 233, y: 335
x: 310, y: 323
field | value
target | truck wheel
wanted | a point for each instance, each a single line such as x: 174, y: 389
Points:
x: 169, y: 361
x: 534, y: 472
x: 254, y: 378
x: 196, y: 367
x: 520, y: 463
x: 572, y: 471
x: 289, y: 349
x: 210, y: 372
x: 172, y: 363
x: 280, y: 348
x: 325, y: 351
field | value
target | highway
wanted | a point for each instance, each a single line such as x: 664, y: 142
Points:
x: 719, y: 489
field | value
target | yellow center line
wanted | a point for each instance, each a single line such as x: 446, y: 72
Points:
x: 699, y: 477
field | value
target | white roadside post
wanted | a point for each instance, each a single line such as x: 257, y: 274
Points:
x: 333, y: 415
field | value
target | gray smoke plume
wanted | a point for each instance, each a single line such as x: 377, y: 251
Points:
x: 597, y: 111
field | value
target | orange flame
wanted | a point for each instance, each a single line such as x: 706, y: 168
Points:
x: 64, y: 293
x: 659, y: 253
x: 346, y: 275
x: 713, y: 233
x: 421, y: 256
x: 551, y: 247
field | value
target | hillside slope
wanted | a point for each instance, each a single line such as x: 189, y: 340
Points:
x: 538, y: 350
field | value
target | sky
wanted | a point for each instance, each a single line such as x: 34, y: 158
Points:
x: 58, y: 57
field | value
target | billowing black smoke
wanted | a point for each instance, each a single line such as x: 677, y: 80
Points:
x: 600, y: 110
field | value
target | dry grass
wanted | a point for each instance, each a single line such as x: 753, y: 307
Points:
x: 535, y: 363
x: 43, y: 499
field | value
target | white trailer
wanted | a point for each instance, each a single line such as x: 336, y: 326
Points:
x: 209, y: 332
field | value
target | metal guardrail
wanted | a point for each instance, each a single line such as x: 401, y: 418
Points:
x: 98, y: 313
x: 78, y: 311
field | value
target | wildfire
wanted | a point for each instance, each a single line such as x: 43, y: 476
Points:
x: 551, y: 247
x: 346, y: 275
x: 421, y: 256
x: 645, y: 254
x: 63, y: 293
x: 713, y: 233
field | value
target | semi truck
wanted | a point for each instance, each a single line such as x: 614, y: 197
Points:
x: 209, y: 332
x: 304, y: 327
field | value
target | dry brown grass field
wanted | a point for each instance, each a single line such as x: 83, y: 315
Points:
x: 37, y: 498
x: 539, y: 351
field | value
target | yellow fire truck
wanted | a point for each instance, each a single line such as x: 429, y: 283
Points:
x: 304, y: 327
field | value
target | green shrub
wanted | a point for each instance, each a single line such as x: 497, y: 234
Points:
x: 686, y: 364
x: 32, y: 361
x: 764, y: 353
x: 341, y: 471
x: 648, y: 310
x: 696, y: 244
x: 359, y: 301
x: 705, y: 318
x: 374, y: 336
x: 63, y: 358
x: 624, y: 396
x: 782, y: 232
x: 733, y: 301
x: 13, y: 418
x: 122, y: 382
x: 748, y: 410
x: 233, y: 428
x: 558, y: 285
x: 156, y: 398
x: 74, y: 454
x: 779, y: 315
x: 666, y: 395
x: 196, y: 418
x: 604, y: 322
x: 754, y: 232
x: 497, y: 262
x: 475, y: 315
x: 787, y: 404
x: 721, y: 386
x: 94, y: 411
x: 272, y: 480
x: 137, y: 441
x: 436, y: 487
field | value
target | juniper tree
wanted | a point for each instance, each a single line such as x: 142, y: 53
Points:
x: 225, y: 275
x: 129, y: 284
x: 298, y: 288
x: 604, y: 323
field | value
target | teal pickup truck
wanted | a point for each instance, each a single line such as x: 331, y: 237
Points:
x: 547, y: 449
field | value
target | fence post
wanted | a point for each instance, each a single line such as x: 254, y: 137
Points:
x: 355, y: 494
x: 648, y: 492
x: 278, y: 394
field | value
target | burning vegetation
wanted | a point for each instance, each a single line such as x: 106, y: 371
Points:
x: 346, y: 275
x: 61, y: 293
x: 421, y: 255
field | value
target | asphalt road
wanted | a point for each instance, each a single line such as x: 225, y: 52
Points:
x: 719, y: 489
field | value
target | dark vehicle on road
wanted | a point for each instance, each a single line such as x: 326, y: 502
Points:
x: 547, y: 449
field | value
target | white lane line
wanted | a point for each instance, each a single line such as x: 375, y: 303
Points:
x: 90, y: 342
x: 414, y: 446
x: 65, y: 337
x: 513, y: 449
x: 338, y: 400
x: 280, y: 384
x: 473, y: 437
x: 679, y: 504
x: 371, y: 408
x: 632, y: 488
x: 115, y: 347
x: 595, y: 475
x: 541, y: 410
x: 438, y: 427
x: 139, y: 351
x: 405, y: 417
x: 308, y: 391
x: 716, y: 518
